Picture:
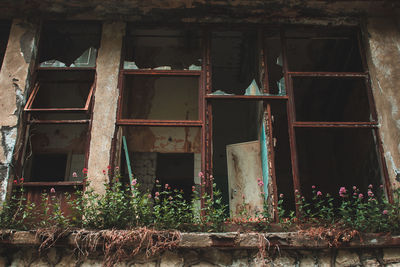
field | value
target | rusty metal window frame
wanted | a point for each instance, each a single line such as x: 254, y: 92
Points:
x: 293, y: 123
x: 29, y: 111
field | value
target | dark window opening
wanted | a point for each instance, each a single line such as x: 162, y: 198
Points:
x: 176, y: 170
x: 235, y: 63
x: 332, y: 158
x: 163, y: 49
x: 282, y: 162
x: 48, y: 167
x: 274, y: 68
x: 4, y: 34
x: 69, y: 44
x: 331, y: 99
x: 315, y: 50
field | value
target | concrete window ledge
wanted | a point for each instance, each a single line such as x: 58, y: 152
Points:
x: 230, y: 240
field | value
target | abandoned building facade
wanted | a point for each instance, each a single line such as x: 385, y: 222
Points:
x: 288, y: 93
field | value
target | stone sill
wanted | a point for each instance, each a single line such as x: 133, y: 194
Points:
x: 230, y: 240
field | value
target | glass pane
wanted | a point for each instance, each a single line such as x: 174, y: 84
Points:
x: 331, y: 99
x: 160, y: 98
x: 332, y: 158
x: 163, y: 49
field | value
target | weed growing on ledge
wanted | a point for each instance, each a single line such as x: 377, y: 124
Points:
x: 124, y: 206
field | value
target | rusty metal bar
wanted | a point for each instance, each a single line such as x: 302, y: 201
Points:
x: 28, y: 104
x: 63, y: 183
x: 312, y: 124
x: 66, y: 68
x: 248, y: 97
x: 327, y: 74
x: 58, y: 121
x: 171, y: 123
x: 89, y: 98
x: 291, y: 117
x: 163, y: 72
x: 55, y: 109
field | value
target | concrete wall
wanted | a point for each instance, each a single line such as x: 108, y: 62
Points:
x: 209, y: 258
x: 14, y: 82
x: 105, y: 102
x: 383, y: 36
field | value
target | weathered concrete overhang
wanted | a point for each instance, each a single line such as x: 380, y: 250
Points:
x: 231, y: 240
x: 175, y: 11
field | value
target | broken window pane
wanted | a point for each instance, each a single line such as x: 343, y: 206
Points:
x: 323, y: 50
x: 67, y: 89
x: 239, y: 143
x: 160, y: 98
x: 163, y: 49
x: 170, y: 154
x: 331, y: 158
x: 235, y: 63
x: 54, y: 152
x: 4, y: 34
x: 69, y: 44
x: 331, y: 99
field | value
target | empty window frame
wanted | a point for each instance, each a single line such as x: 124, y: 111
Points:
x: 261, y: 92
x: 160, y: 111
x: 58, y: 109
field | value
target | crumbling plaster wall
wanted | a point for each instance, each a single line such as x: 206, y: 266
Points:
x: 383, y: 56
x: 105, y: 103
x: 14, y: 82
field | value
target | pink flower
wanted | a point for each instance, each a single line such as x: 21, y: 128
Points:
x: 104, y: 172
x: 211, y: 177
x: 354, y: 187
x: 21, y: 180
x: 370, y: 186
x: 74, y: 175
x: 342, y: 191
x: 384, y: 212
x: 149, y: 195
x: 370, y: 194
x: 109, y: 167
x: 281, y: 195
x: 319, y: 193
x: 15, y: 182
x: 193, y: 188
x: 134, y: 182
x: 52, y: 190
x: 381, y: 186
x: 157, y: 181
x: 360, y: 196
x: 296, y: 191
x: 170, y: 198
x: 260, y: 183
x: 166, y: 186
x: 201, y: 174
x: 313, y: 187
x: 85, y: 171
x: 157, y: 194
x: 117, y: 168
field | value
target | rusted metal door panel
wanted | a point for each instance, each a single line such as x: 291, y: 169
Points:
x: 244, y: 174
